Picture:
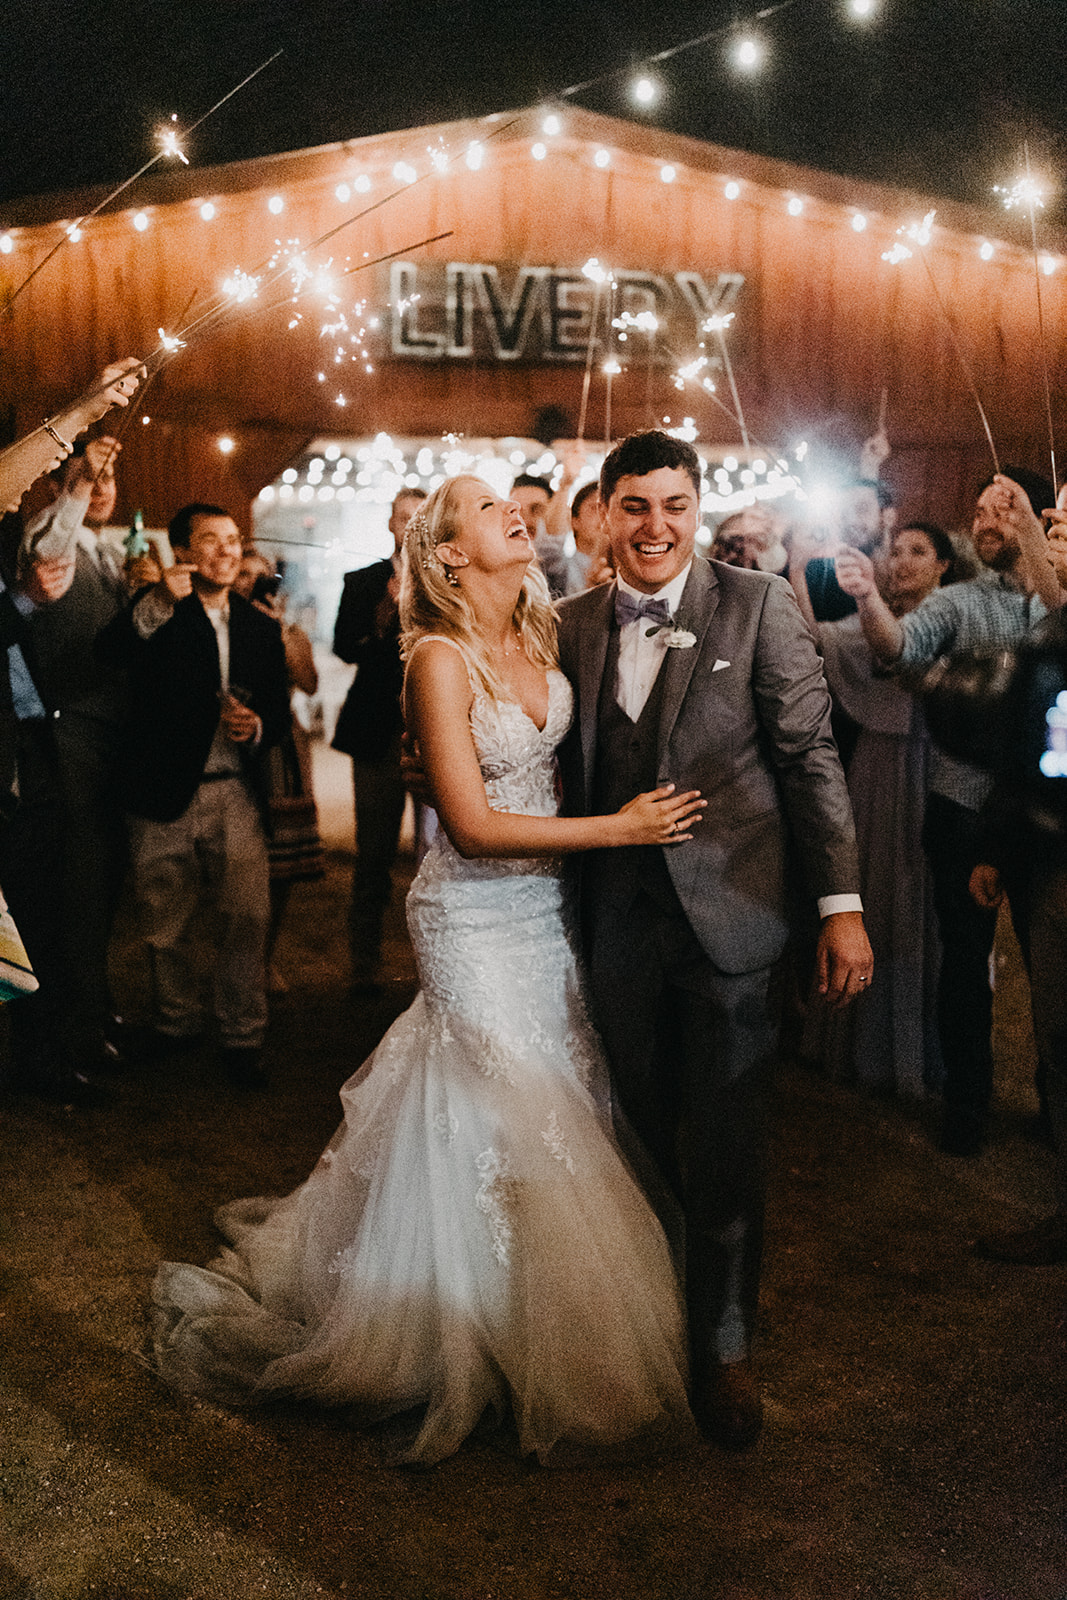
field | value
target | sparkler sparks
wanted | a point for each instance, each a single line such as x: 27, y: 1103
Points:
x: 168, y: 140
x: 1026, y: 192
x: 241, y: 286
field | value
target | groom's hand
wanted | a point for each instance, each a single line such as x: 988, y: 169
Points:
x: 844, y: 962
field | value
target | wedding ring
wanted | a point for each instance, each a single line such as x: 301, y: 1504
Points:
x: 52, y: 434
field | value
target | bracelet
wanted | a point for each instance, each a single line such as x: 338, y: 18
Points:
x: 52, y: 434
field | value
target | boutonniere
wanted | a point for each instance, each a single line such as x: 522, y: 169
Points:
x: 677, y: 638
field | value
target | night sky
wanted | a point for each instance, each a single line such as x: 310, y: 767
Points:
x: 937, y: 95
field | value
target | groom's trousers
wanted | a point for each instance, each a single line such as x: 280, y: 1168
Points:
x: 691, y: 1051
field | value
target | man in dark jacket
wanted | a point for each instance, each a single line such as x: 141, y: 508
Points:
x: 208, y: 695
x: 367, y: 635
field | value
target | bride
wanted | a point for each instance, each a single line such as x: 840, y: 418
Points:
x: 471, y: 1237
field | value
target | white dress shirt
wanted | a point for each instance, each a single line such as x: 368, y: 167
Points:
x: 640, y: 657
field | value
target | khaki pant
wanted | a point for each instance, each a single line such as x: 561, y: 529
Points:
x: 215, y: 852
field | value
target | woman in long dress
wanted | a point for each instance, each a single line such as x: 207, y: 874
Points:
x: 471, y: 1238
x: 888, y: 1040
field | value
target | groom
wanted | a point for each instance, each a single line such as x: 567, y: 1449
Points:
x: 704, y: 676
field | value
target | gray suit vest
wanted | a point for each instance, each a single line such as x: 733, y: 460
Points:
x: 625, y: 767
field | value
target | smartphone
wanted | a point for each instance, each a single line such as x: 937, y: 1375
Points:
x: 159, y: 544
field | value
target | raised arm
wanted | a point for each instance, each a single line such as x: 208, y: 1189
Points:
x: 437, y: 699
x: 1016, y: 516
x: 882, y: 630
x: 21, y: 464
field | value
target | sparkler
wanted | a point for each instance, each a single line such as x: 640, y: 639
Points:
x: 611, y: 366
x: 921, y: 233
x: 718, y: 325
x: 598, y: 276
x: 169, y: 147
x: 1030, y: 194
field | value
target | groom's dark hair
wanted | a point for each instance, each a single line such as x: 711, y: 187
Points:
x: 647, y: 452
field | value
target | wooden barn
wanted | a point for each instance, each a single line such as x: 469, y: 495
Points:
x: 494, y: 331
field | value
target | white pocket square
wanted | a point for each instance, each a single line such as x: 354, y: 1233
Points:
x: 719, y: 666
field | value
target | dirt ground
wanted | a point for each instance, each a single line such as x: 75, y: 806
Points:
x: 914, y: 1445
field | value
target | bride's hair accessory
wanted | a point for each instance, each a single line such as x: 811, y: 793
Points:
x: 419, y: 530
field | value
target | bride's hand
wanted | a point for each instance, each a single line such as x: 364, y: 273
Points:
x: 660, y: 817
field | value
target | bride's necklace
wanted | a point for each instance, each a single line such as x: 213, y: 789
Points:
x: 507, y: 650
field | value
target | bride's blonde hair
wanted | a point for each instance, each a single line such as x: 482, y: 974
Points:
x: 431, y: 600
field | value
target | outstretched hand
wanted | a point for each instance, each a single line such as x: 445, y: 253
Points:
x: 844, y: 961
x: 855, y: 573
x: 661, y: 816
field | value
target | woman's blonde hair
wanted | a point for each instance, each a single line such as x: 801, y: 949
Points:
x: 430, y: 603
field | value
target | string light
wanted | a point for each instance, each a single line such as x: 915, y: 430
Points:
x: 275, y: 205
x: 646, y: 91
x: 862, y: 8
x: 140, y: 221
x: 667, y: 173
x: 748, y: 54
x: 74, y: 233
x: 732, y: 190
x: 475, y: 156
x: 225, y: 445
x: 795, y: 206
x: 986, y: 250
x: 551, y: 125
x: 539, y: 151
x: 602, y: 158
x: 362, y: 184
x: 859, y: 222
x: 207, y: 211
x: 403, y: 172
x: 7, y: 244
x: 343, y: 192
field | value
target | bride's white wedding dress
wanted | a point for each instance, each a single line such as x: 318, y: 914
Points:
x: 471, y: 1237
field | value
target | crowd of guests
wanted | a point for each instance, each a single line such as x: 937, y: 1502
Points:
x: 147, y: 727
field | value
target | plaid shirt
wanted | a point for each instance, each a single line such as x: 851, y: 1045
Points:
x: 985, y: 613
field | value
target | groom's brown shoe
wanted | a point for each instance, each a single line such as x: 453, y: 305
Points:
x: 728, y: 1407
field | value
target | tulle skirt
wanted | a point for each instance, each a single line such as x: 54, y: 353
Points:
x: 471, y: 1240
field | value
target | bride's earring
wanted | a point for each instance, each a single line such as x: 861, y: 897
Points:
x: 458, y: 560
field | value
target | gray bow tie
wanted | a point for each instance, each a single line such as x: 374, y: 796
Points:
x: 627, y: 609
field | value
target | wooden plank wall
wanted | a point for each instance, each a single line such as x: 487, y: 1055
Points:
x: 822, y: 324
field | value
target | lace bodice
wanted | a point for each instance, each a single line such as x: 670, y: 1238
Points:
x: 518, y: 759
x: 518, y: 765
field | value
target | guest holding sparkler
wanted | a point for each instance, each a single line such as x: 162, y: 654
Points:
x: 91, y: 701
x: 992, y: 611
x: 50, y: 1038
x: 888, y: 1040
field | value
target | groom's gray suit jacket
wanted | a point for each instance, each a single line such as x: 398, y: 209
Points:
x: 744, y: 718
